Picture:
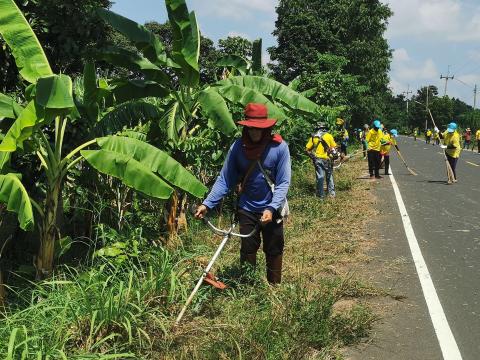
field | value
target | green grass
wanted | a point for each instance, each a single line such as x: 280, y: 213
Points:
x: 126, y: 309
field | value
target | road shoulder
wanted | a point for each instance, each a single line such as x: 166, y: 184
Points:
x: 404, y: 329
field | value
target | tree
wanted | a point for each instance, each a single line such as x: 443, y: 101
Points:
x: 352, y: 29
x: 236, y: 45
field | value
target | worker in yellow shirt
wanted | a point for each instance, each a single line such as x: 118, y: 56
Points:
x: 436, y: 136
x: 387, y: 141
x: 451, y: 140
x: 477, y: 137
x: 373, y: 139
x: 322, y: 149
x: 428, y: 136
x: 344, y: 143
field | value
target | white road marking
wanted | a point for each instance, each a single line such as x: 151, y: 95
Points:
x: 468, y: 162
x: 444, y: 334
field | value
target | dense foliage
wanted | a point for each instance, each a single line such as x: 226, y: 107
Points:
x: 352, y: 30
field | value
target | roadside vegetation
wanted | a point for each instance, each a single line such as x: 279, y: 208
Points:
x: 124, y: 305
x: 111, y: 130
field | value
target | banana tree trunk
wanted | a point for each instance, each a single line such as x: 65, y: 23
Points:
x: 182, y: 224
x: 48, y: 233
x: 172, y: 235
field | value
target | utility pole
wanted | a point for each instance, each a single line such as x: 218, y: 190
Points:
x: 475, y: 98
x: 407, y: 94
x: 448, y: 77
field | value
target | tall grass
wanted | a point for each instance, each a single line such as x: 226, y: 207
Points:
x: 126, y: 309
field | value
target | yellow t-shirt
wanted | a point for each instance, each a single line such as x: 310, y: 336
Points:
x: 390, y: 140
x: 477, y: 135
x: 373, y: 139
x: 429, y: 133
x: 345, y: 135
x: 452, y: 139
x: 320, y: 152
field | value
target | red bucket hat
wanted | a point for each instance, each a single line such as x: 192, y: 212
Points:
x: 256, y: 116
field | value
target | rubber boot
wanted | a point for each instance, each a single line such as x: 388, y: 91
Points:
x: 274, y: 269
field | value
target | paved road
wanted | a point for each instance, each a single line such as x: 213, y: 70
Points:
x: 446, y: 221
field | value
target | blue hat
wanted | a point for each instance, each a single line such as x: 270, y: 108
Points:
x: 377, y: 124
x: 452, y: 127
x: 394, y: 132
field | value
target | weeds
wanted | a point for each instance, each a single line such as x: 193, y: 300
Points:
x: 124, y: 303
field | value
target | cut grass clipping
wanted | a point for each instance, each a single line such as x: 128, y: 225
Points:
x: 126, y: 310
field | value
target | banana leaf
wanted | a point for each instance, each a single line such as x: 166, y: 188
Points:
x: 156, y: 160
x: 19, y: 36
x: 128, y: 115
x: 55, y: 92
x: 242, y: 95
x: 215, y: 108
x: 8, y: 107
x: 14, y: 195
x: 145, y: 41
x: 130, y: 172
x: 275, y: 91
x: 22, y: 128
x: 234, y: 62
x: 125, y: 90
x: 133, y: 62
x: 4, y: 160
x: 172, y: 120
x: 186, y: 41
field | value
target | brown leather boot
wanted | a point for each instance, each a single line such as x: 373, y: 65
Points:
x: 274, y: 269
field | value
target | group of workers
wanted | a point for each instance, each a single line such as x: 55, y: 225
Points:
x: 258, y: 164
x: 468, y: 137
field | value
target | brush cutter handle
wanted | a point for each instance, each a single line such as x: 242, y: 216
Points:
x: 223, y: 232
x: 229, y: 231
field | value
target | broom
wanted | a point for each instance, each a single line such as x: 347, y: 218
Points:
x: 450, y: 175
x: 405, y: 163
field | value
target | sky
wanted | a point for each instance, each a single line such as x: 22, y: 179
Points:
x: 426, y: 36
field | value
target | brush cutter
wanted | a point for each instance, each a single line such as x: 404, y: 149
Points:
x: 345, y: 159
x: 405, y: 163
x: 206, y: 275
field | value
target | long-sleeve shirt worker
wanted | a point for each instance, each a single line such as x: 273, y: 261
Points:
x: 256, y: 195
x: 373, y: 139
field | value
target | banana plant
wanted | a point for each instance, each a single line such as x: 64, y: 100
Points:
x: 186, y: 104
x: 40, y: 127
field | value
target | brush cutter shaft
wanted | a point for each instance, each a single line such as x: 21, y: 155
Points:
x: 204, y: 274
x: 227, y: 234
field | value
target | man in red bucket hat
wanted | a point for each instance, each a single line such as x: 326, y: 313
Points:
x: 260, y: 162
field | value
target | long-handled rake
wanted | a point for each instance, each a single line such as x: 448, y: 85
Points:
x: 206, y: 276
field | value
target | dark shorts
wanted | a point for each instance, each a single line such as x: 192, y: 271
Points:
x: 272, y: 234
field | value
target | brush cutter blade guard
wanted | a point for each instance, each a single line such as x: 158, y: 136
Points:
x: 212, y: 280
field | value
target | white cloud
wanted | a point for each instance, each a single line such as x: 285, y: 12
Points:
x: 235, y: 9
x: 235, y: 33
x: 401, y: 55
x: 453, y: 20
x: 406, y: 71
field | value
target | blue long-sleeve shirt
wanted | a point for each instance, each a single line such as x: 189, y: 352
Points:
x: 257, y: 195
